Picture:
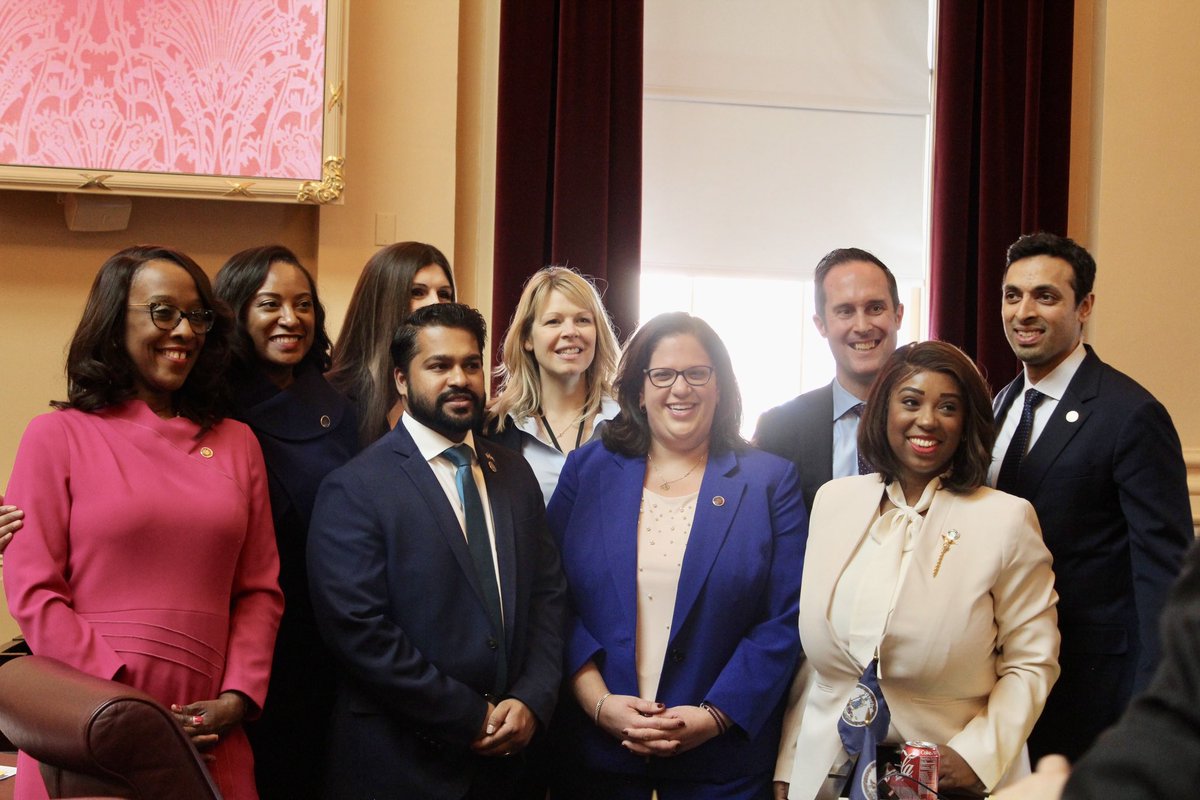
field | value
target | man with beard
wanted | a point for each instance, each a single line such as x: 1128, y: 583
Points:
x: 437, y: 586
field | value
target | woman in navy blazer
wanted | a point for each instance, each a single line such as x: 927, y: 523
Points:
x: 686, y: 701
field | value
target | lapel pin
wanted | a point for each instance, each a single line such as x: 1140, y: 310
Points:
x: 491, y: 462
x: 718, y: 501
x: 949, y: 539
x: 206, y: 452
x: 326, y: 421
x: 1072, y: 416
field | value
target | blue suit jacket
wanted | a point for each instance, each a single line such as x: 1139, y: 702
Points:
x: 398, y: 602
x: 1108, y: 481
x: 734, y: 635
x: 801, y: 430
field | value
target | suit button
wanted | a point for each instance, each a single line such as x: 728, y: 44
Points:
x: 677, y: 655
x: 491, y: 643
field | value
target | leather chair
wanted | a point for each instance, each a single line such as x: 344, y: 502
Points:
x: 95, y: 737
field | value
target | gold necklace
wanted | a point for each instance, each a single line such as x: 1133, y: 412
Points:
x: 666, y: 484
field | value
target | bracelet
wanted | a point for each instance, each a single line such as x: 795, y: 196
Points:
x: 599, y: 705
x: 721, y: 726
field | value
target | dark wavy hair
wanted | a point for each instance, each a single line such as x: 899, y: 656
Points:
x: 629, y: 433
x: 100, y: 372
x: 1083, y: 266
x: 970, y: 462
x: 362, y: 368
x: 239, y: 280
x: 438, y: 315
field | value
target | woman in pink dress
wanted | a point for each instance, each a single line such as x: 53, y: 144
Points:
x: 147, y: 554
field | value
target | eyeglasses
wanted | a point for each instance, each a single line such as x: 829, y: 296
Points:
x: 166, y: 317
x: 664, y: 377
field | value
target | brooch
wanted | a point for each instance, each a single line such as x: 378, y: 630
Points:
x: 949, y: 539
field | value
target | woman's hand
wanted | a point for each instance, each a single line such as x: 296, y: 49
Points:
x: 781, y: 790
x: 698, y: 726
x: 207, y: 720
x: 10, y: 523
x: 642, y: 726
x: 955, y: 773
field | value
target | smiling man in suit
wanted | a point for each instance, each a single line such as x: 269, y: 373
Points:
x: 1099, y: 459
x: 859, y: 314
x: 437, y: 587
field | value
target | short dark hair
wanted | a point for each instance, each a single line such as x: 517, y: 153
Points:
x: 1051, y: 244
x: 629, y: 433
x: 100, y: 372
x: 844, y: 255
x: 240, y: 279
x: 970, y: 462
x: 438, y: 315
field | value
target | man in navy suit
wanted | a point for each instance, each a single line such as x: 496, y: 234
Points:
x: 858, y: 313
x: 437, y: 587
x: 1099, y: 459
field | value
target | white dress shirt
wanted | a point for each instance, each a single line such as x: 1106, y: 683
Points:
x: 431, y: 445
x: 1053, y: 386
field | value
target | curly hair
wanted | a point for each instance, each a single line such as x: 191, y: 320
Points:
x: 100, y: 372
x: 239, y: 280
x: 970, y: 462
x: 629, y: 433
x: 520, y: 393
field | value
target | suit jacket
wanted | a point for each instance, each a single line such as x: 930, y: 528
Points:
x: 398, y: 602
x: 733, y: 635
x: 966, y: 658
x: 1108, y: 481
x: 801, y: 430
x: 1154, y: 751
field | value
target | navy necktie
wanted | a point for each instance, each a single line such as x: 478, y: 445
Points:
x: 864, y: 468
x: 1010, y: 468
x: 481, y: 553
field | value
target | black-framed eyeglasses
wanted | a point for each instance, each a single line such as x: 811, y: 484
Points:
x: 664, y: 377
x: 166, y: 317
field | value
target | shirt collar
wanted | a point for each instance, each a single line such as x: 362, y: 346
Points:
x: 843, y: 401
x: 429, y: 442
x: 609, y: 408
x: 1055, y: 384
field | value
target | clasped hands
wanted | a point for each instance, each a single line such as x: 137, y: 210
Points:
x: 206, y: 721
x: 651, y: 729
x: 507, y: 729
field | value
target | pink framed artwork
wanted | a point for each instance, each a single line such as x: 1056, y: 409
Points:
x: 240, y: 99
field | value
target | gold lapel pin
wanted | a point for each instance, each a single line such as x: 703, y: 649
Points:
x: 949, y: 539
x: 491, y: 462
x: 718, y: 501
x: 207, y: 452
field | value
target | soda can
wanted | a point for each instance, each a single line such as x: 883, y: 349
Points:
x: 919, y: 761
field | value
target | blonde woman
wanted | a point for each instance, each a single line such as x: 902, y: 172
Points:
x: 559, y: 358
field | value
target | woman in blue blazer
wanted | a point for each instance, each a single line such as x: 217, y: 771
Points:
x: 683, y: 549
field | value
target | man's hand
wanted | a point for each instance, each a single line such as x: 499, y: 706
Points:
x: 507, y: 729
x: 1044, y: 784
x: 781, y: 790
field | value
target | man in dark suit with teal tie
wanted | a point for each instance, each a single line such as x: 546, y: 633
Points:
x: 437, y: 587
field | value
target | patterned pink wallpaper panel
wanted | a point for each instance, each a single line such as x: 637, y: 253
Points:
x: 218, y: 87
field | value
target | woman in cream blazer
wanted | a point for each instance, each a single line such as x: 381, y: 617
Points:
x: 969, y: 650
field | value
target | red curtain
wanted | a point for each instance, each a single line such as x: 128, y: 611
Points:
x: 569, y: 149
x: 1001, y: 158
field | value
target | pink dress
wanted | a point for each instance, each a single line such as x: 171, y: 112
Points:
x: 147, y: 557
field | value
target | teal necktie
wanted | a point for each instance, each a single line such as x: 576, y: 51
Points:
x: 481, y: 554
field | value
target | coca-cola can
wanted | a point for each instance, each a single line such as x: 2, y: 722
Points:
x: 919, y: 761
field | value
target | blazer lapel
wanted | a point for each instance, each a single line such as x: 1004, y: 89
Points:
x: 430, y: 491
x: 926, y: 549
x: 1070, y: 415
x: 506, y: 533
x: 716, y: 507
x: 817, y: 436
x: 1004, y: 400
x: 855, y: 522
x: 623, y: 506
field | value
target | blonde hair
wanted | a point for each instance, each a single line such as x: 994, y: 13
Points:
x: 520, y: 393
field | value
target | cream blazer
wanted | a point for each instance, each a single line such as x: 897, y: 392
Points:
x: 966, y: 659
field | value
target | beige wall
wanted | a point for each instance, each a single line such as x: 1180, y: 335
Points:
x: 1136, y: 158
x: 408, y: 120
